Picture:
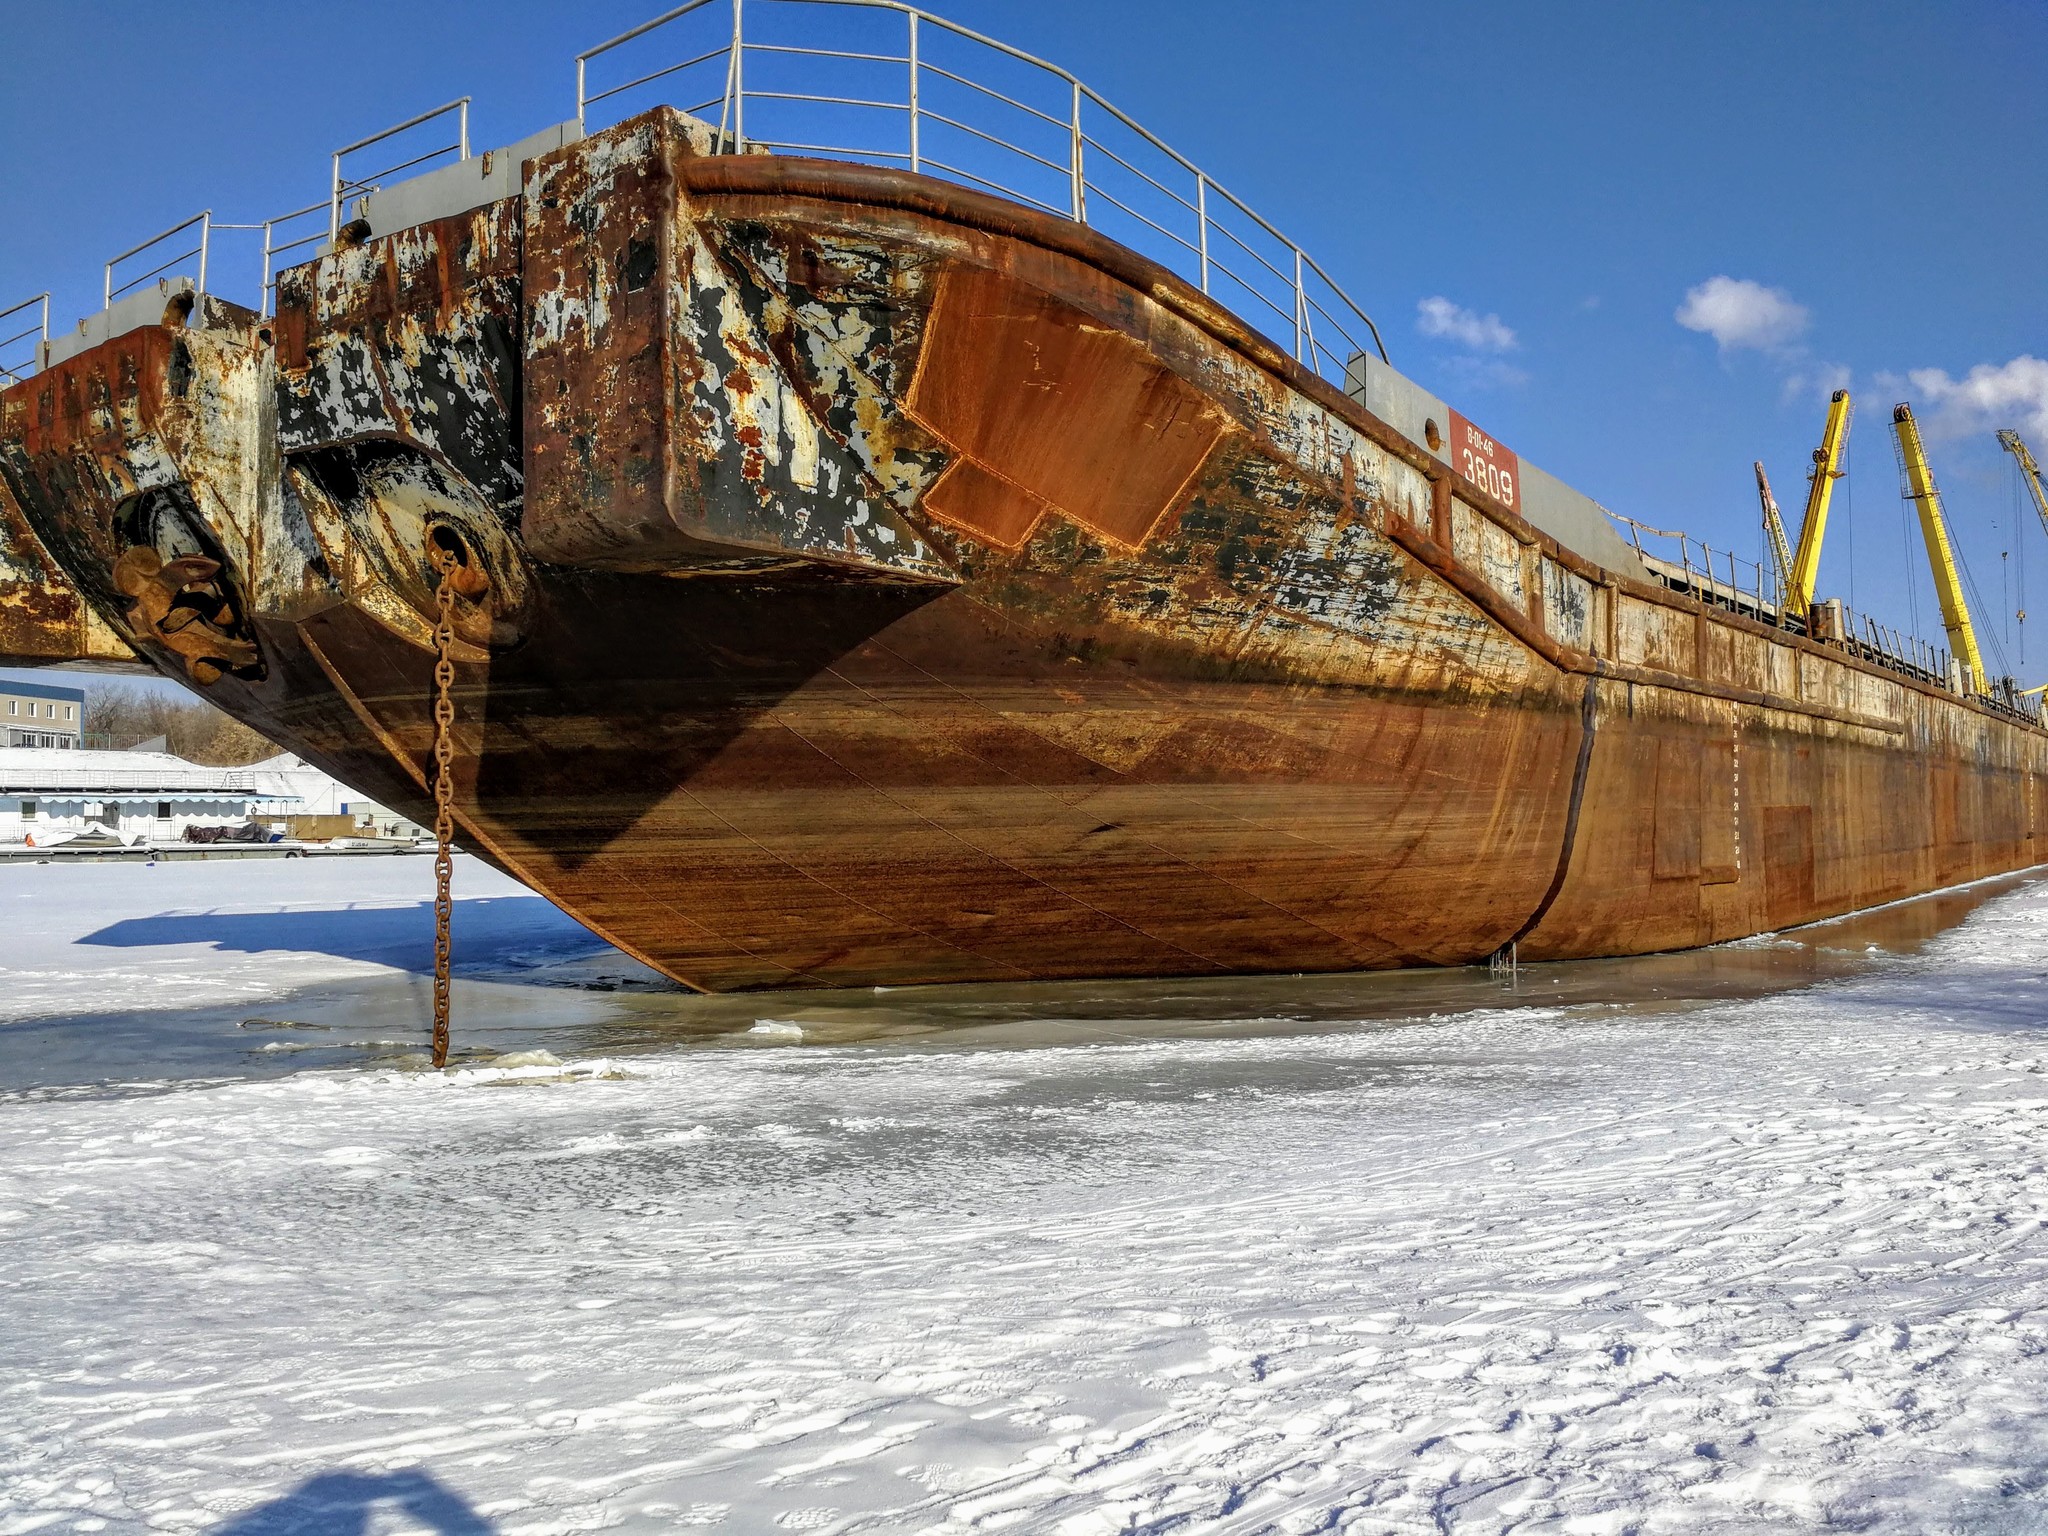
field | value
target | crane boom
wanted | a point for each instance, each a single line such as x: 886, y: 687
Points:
x: 1827, y: 469
x: 1948, y: 581
x: 2013, y: 444
x: 1774, y: 525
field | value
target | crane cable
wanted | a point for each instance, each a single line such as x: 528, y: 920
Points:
x: 1906, y: 544
x: 1849, y: 516
x: 2019, y: 550
x: 1990, y: 634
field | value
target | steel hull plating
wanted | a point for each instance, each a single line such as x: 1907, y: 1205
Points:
x: 889, y: 585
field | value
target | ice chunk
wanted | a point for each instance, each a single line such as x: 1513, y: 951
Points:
x: 525, y: 1059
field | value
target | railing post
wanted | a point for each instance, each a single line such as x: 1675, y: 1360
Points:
x: 739, y: 84
x: 1202, y: 219
x: 1298, y: 299
x: 205, y: 240
x: 725, y: 103
x: 462, y: 131
x: 334, y: 204
x: 579, y: 94
x: 1080, y: 197
x: 913, y: 93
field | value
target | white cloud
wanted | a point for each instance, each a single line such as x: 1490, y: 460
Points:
x: 1989, y: 396
x: 1438, y: 316
x: 1739, y: 313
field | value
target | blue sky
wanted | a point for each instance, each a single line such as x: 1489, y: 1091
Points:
x: 1523, y: 196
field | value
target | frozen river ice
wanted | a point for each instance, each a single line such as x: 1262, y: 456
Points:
x: 1750, y: 1241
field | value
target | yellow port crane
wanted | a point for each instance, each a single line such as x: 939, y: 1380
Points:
x: 1774, y: 525
x: 1941, y: 558
x: 2030, y: 472
x: 1827, y: 469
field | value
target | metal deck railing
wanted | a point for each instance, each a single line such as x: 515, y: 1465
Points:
x: 15, y: 364
x: 1694, y: 567
x: 1697, y: 572
x: 886, y: 83
x: 274, y: 247
x: 912, y: 90
x: 354, y: 183
x: 926, y: 95
x: 204, y: 223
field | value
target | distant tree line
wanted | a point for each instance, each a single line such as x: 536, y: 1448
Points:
x: 122, y: 715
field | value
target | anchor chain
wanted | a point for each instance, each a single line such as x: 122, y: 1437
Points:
x: 448, y: 566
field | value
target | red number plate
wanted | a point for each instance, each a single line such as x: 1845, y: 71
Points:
x: 1488, y: 465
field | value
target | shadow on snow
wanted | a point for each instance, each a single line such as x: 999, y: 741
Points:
x: 342, y: 1503
x: 486, y: 929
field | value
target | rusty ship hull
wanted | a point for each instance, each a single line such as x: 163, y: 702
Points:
x: 884, y: 583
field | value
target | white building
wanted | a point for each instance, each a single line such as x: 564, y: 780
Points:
x: 40, y: 715
x: 48, y: 792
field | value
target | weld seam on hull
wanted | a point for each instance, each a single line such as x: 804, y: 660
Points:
x: 1587, y: 727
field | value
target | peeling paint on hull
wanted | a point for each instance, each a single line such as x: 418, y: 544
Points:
x: 890, y: 584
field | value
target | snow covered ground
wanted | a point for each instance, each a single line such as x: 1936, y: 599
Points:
x: 178, y: 934
x: 134, y: 973
x: 1775, y: 1264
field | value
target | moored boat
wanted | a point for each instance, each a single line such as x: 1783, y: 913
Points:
x: 876, y: 580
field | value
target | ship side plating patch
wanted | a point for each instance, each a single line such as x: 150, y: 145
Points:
x: 1051, y: 412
